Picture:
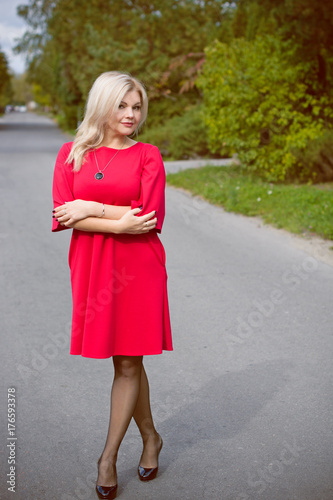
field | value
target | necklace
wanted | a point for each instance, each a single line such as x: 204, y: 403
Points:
x: 99, y: 175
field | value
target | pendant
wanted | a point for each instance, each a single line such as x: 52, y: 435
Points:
x: 99, y: 176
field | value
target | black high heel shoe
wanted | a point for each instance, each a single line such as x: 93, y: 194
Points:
x: 106, y: 492
x: 146, y: 474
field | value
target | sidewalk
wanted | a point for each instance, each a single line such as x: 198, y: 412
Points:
x: 172, y: 167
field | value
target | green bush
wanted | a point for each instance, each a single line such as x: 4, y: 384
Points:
x: 63, y: 123
x: 6, y: 90
x: 70, y: 116
x: 262, y: 106
x: 180, y: 137
x: 316, y: 161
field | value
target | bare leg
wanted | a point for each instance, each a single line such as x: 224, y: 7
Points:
x: 144, y: 420
x: 124, y: 397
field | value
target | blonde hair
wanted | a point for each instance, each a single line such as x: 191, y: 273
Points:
x: 104, y: 98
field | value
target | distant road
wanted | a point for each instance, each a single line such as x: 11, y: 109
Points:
x: 171, y: 167
x: 244, y: 403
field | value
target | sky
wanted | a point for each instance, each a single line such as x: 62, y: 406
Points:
x: 11, y: 27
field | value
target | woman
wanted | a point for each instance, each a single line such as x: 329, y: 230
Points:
x: 110, y: 190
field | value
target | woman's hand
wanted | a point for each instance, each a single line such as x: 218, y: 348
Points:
x: 130, y: 223
x: 73, y: 211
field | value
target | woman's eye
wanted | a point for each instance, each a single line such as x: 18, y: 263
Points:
x: 137, y: 108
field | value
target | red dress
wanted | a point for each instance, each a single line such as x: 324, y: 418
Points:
x: 119, y: 281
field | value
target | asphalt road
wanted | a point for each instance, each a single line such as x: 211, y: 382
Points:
x: 244, y: 402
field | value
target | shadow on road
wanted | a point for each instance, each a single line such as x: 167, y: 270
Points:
x: 224, y: 407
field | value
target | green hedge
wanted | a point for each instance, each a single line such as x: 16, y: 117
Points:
x: 180, y: 137
x: 263, y: 106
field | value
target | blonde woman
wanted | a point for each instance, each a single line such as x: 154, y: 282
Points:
x: 110, y: 190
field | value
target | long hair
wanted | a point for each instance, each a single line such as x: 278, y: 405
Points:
x: 104, y: 98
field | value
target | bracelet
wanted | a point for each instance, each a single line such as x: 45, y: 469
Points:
x: 103, y: 211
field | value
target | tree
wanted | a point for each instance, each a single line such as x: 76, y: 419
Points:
x: 5, y: 82
x: 305, y: 23
x: 22, y: 90
x: 263, y: 107
x: 79, y: 39
x: 268, y: 93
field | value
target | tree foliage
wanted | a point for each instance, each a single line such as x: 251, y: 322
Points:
x: 5, y: 82
x: 183, y: 136
x: 261, y: 107
x: 265, y: 73
x: 22, y: 90
x: 71, y: 42
x: 267, y: 97
x: 308, y: 25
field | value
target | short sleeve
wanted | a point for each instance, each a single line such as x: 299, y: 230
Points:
x: 152, y: 189
x: 62, y: 189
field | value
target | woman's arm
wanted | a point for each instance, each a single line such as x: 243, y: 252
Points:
x: 74, y: 211
x: 129, y: 223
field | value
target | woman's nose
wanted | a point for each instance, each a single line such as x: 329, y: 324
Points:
x: 129, y: 112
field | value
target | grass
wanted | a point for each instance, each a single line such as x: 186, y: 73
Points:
x: 301, y: 209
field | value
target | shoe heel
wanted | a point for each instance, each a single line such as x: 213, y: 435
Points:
x: 149, y: 474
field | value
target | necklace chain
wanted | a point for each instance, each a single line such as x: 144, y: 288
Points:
x: 99, y: 170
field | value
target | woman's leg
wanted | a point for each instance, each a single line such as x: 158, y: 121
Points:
x: 144, y: 420
x: 124, y: 396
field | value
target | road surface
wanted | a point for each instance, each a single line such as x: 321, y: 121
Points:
x: 244, y: 402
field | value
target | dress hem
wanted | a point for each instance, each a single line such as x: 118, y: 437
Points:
x: 119, y: 354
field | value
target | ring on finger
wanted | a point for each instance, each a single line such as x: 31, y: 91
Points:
x: 147, y: 224
x: 64, y: 212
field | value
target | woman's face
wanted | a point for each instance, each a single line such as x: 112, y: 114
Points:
x: 126, y: 119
